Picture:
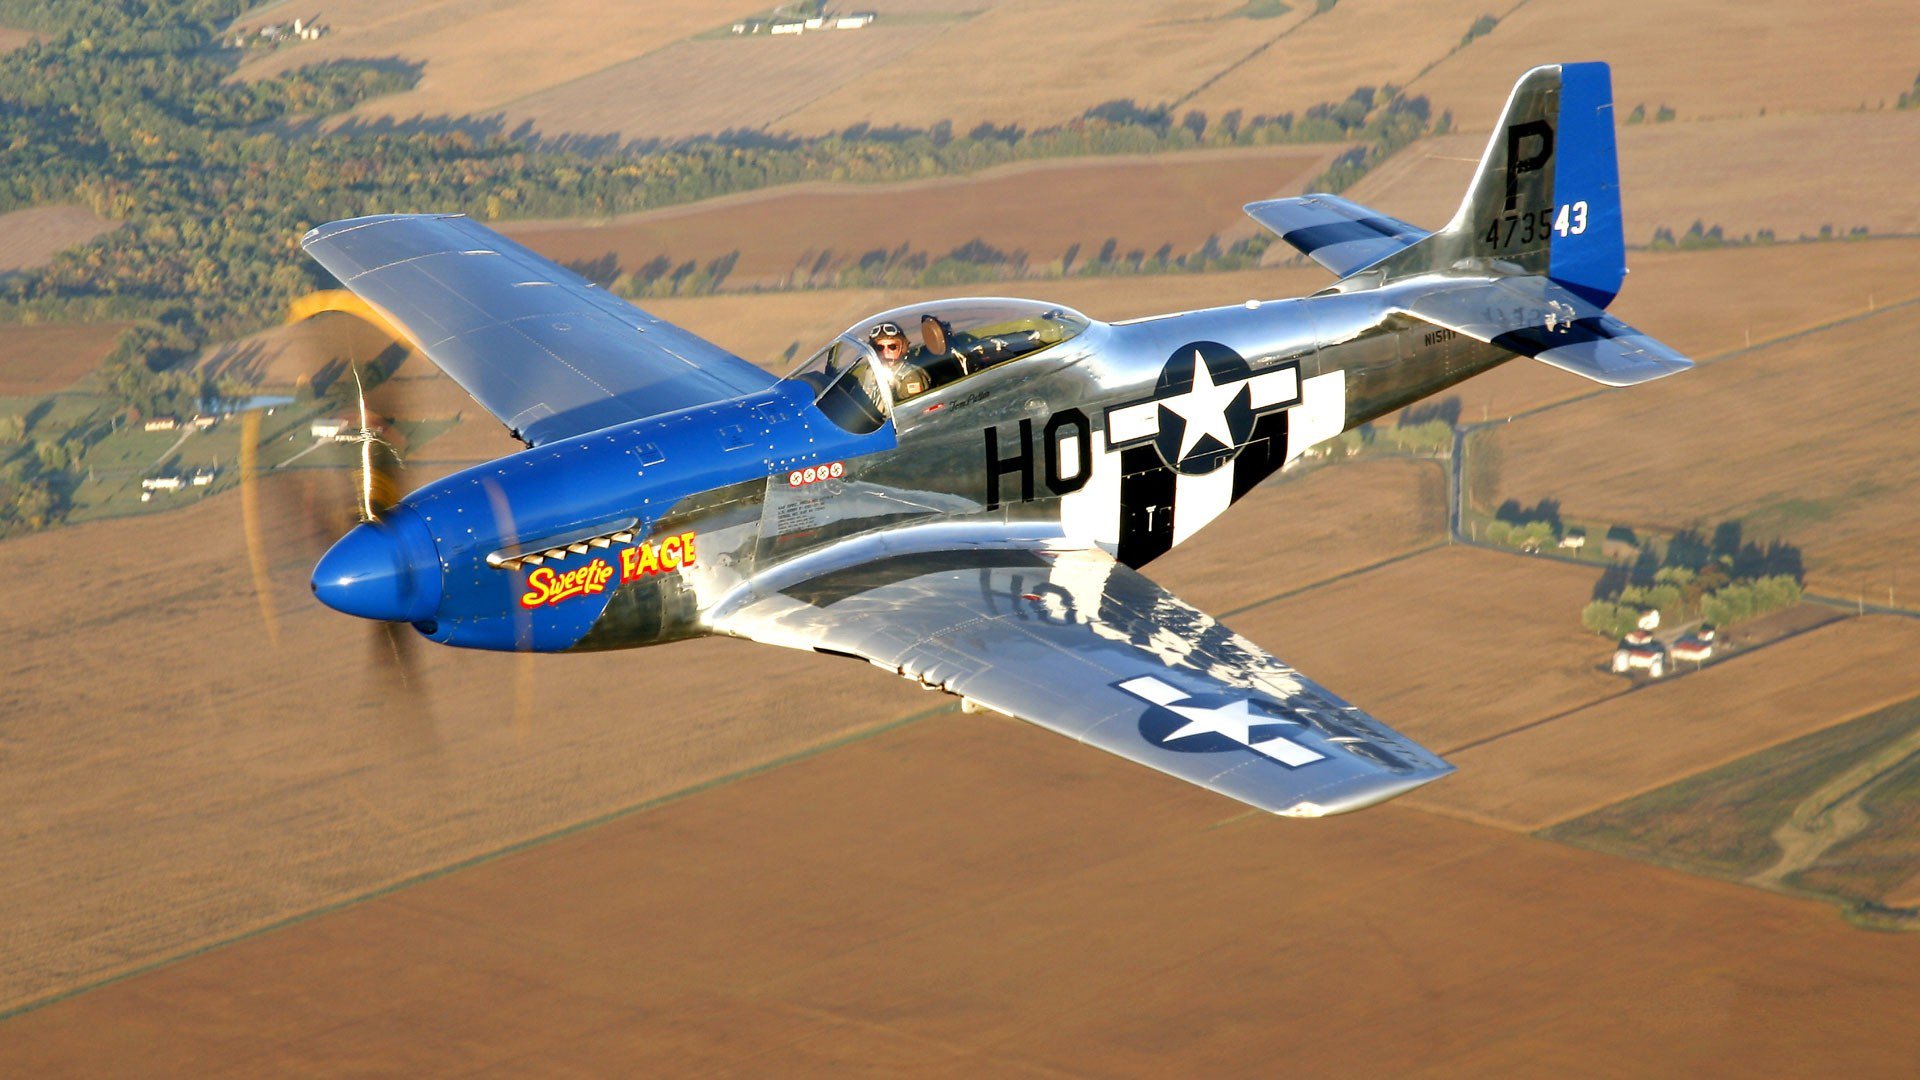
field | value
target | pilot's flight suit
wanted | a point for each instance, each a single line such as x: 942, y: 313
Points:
x: 908, y: 380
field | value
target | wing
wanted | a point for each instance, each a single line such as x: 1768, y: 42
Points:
x: 1077, y: 643
x: 1535, y: 317
x: 540, y: 347
x: 1340, y: 235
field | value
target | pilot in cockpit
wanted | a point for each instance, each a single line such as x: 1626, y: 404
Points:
x: 907, y: 379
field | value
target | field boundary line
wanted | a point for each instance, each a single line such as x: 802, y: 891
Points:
x: 1334, y: 579
x: 1238, y: 64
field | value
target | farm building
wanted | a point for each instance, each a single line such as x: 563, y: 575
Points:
x: 1650, y: 658
x: 161, y: 423
x: 331, y: 428
x: 1691, y: 648
x: 856, y: 21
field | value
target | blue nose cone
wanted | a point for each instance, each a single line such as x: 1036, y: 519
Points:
x: 387, y: 570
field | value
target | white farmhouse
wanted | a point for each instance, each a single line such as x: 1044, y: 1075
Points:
x: 1649, y: 658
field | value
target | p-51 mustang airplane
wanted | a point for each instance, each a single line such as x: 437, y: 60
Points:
x: 979, y: 523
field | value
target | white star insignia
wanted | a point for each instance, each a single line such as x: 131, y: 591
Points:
x: 1204, y: 408
x: 1234, y: 720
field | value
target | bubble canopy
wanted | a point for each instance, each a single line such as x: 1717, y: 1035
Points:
x: 919, y: 348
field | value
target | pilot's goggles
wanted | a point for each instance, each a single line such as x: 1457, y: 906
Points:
x: 885, y: 329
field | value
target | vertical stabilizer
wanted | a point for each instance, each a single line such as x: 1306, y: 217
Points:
x: 1546, y: 197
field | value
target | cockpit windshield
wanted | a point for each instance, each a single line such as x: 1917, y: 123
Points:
x: 924, y: 347
x: 845, y: 388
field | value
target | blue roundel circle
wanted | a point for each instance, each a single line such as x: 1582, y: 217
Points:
x: 1223, y: 391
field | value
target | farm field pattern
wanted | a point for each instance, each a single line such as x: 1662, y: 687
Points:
x: 1044, y: 209
x: 240, y: 846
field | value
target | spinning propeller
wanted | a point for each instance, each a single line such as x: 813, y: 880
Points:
x: 379, y: 484
x: 380, y: 561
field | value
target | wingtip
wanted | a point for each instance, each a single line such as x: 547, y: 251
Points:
x: 1363, y: 797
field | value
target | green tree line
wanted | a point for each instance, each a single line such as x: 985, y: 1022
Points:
x: 130, y: 108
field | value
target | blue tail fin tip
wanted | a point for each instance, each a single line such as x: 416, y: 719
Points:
x: 1588, y: 254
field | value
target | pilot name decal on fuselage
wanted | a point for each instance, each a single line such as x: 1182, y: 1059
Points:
x: 549, y: 586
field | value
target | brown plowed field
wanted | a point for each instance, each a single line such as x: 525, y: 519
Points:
x: 1665, y: 731
x: 1733, y: 59
x: 1042, y: 208
x: 709, y: 86
x: 30, y: 237
x: 48, y: 357
x: 479, y: 57
x: 969, y: 896
x: 1771, y: 172
x: 1045, y: 63
x: 1358, y: 42
x: 204, y: 779
x: 1816, y: 440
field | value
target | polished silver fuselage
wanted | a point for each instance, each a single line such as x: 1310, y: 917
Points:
x: 992, y: 450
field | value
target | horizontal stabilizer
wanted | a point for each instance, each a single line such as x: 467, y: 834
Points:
x: 1340, y: 235
x: 1535, y: 317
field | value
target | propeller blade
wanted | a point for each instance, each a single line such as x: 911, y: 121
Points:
x: 250, y: 521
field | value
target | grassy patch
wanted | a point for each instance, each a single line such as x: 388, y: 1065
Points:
x: 1868, y: 866
x: 1721, y: 821
x: 1783, y: 515
x: 1262, y: 9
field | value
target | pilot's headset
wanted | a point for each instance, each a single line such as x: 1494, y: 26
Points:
x: 882, y: 334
